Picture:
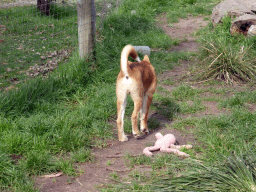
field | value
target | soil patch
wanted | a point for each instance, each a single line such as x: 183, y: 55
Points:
x: 107, y: 161
x: 183, y: 31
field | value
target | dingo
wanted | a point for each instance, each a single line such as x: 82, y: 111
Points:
x: 139, y: 80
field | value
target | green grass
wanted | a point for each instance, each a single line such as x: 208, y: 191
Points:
x: 227, y: 160
x: 165, y: 106
x: 239, y: 99
x: 49, y: 123
x: 191, y: 107
x: 236, y: 173
x: 222, y: 158
x: 30, y: 38
x: 184, y: 92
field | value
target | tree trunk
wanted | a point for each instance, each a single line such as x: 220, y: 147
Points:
x: 44, y: 6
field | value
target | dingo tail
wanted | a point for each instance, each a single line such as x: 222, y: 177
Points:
x: 128, y: 50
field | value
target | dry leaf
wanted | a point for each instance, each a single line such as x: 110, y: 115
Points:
x: 9, y: 69
x: 53, y: 175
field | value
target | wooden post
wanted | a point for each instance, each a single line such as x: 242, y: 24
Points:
x: 86, y: 26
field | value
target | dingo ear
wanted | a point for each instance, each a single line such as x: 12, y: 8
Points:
x: 146, y: 58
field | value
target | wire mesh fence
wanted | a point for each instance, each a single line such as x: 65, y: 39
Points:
x: 35, y: 38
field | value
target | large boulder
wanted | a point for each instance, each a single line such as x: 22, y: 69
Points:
x: 233, y: 8
x: 251, y: 4
x: 242, y: 25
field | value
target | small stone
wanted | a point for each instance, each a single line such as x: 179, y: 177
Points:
x: 133, y: 12
x: 252, y: 31
x: 9, y: 69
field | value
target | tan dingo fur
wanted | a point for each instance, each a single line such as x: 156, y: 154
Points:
x: 139, y: 80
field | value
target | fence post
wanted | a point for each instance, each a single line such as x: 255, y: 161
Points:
x: 86, y: 26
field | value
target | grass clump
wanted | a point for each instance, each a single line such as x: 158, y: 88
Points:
x: 13, y: 175
x: 184, y: 92
x: 234, y: 101
x: 235, y: 173
x: 225, y: 159
x: 226, y: 57
x: 191, y: 107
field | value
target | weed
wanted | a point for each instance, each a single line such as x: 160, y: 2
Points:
x: 231, y: 102
x: 184, y: 92
x: 191, y: 107
x: 114, y: 175
x: 66, y: 165
x: 38, y: 162
x: 139, y: 160
x: 82, y: 155
x: 109, y: 163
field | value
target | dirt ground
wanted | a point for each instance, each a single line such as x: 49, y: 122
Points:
x: 96, y: 174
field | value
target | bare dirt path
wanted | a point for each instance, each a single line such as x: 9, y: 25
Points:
x: 183, y: 31
x: 107, y: 161
x: 111, y: 159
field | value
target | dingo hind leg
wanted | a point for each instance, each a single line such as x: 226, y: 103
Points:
x: 121, y: 105
x: 138, y: 102
x: 144, y: 114
x: 147, y: 99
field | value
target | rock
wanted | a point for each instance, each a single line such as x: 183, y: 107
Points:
x: 251, y: 4
x: 145, y: 50
x: 252, y: 31
x: 232, y: 8
x: 9, y: 70
x: 133, y: 12
x: 242, y: 24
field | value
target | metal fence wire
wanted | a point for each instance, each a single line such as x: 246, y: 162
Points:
x: 38, y: 35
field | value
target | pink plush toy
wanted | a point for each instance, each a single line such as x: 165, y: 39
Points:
x: 166, y: 144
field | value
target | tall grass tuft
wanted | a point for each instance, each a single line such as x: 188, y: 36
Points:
x: 234, y: 173
x: 226, y: 57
